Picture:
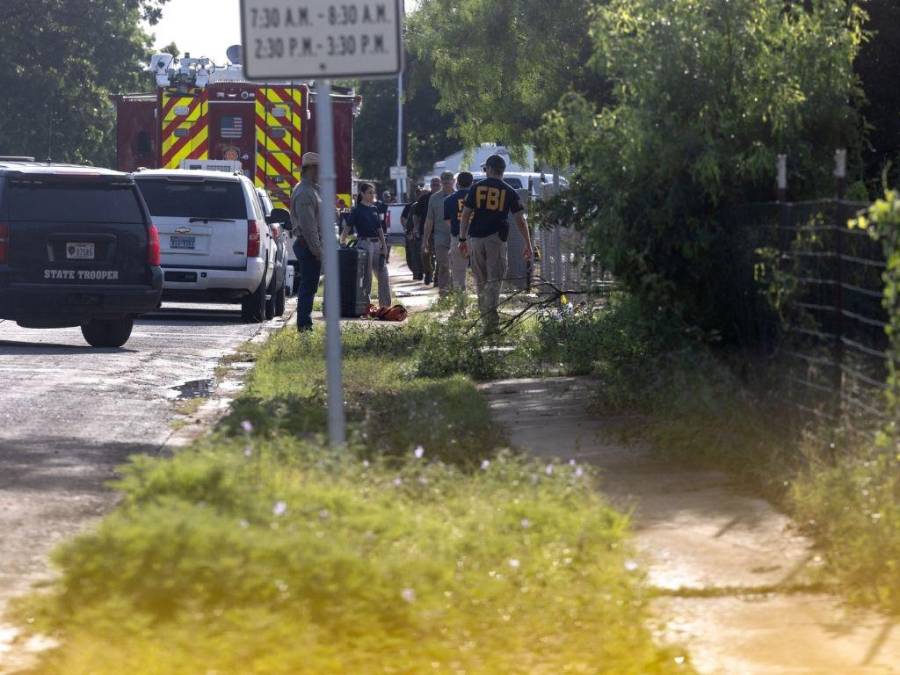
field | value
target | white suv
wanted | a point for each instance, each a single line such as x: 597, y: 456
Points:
x: 215, y: 244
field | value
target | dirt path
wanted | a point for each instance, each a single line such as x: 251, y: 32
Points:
x: 733, y: 573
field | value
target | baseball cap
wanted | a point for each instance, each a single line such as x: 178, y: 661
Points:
x: 496, y: 162
x: 309, y: 159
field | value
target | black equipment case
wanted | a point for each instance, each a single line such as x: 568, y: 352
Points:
x: 353, y: 265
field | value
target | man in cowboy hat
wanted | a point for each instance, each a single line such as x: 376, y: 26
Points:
x: 305, y: 205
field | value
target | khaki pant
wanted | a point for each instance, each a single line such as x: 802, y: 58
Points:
x: 459, y: 265
x: 489, y: 265
x: 378, y: 265
x: 442, y: 263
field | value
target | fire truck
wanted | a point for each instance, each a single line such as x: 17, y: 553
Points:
x: 210, y: 117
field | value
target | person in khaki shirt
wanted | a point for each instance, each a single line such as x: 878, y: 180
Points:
x: 436, y: 225
x: 305, y: 205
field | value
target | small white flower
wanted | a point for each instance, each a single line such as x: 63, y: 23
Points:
x: 485, y: 465
x: 549, y: 470
x: 525, y: 523
x: 244, y: 524
x: 366, y: 463
x: 514, y: 563
x: 579, y: 472
x: 398, y: 481
x: 631, y: 565
x: 247, y: 426
x: 408, y: 595
x: 280, y: 508
x: 324, y: 514
x: 679, y: 660
x: 572, y: 462
x: 419, y: 452
x: 248, y: 451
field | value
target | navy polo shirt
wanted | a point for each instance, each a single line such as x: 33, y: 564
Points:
x: 364, y: 219
x: 491, y: 201
x: 453, y: 208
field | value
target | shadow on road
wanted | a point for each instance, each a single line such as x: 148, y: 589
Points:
x: 61, y: 466
x: 15, y: 348
x: 193, y: 316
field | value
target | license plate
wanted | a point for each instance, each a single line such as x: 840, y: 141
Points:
x: 79, y: 250
x: 176, y: 241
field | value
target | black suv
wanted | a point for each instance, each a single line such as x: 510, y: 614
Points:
x: 77, y: 248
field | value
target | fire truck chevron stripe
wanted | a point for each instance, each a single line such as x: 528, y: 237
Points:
x: 195, y: 145
x: 268, y: 142
x: 281, y: 95
x: 174, y: 123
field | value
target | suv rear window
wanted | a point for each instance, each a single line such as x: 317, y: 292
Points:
x: 213, y: 199
x: 67, y: 203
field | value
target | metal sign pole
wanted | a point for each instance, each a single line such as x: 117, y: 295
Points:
x: 400, y: 181
x: 337, y: 435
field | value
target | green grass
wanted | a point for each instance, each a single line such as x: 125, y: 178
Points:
x: 261, y: 551
x: 704, y: 407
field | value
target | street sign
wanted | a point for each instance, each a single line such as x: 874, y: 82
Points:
x: 317, y: 39
x: 398, y: 173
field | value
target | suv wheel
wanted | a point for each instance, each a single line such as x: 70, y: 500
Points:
x: 107, y: 332
x: 253, y: 307
x: 280, y: 297
x: 270, y: 299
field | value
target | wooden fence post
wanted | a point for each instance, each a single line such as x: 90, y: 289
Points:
x: 840, y: 215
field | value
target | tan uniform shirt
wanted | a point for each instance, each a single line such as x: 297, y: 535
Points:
x: 305, y: 205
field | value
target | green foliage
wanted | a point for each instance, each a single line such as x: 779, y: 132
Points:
x: 428, y: 133
x: 62, y: 59
x: 706, y: 94
x: 853, y: 508
x: 499, y: 66
x: 258, y: 551
x: 388, y: 412
x: 883, y: 223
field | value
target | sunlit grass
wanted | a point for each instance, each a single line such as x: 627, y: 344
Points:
x: 423, y: 547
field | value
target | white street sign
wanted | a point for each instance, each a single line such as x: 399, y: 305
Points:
x: 398, y: 173
x: 316, y: 39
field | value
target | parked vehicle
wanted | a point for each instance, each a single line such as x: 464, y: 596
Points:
x: 77, y: 248
x: 396, y: 236
x: 281, y: 234
x: 203, y: 114
x: 215, y: 244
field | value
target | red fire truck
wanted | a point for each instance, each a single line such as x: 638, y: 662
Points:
x: 207, y: 116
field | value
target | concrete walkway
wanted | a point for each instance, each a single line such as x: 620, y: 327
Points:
x: 732, y: 572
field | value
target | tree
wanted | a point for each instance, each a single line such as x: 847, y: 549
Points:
x: 500, y: 65
x: 428, y: 132
x: 876, y: 67
x: 706, y: 94
x: 62, y: 59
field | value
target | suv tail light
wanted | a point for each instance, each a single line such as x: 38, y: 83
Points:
x: 387, y: 219
x: 252, y: 239
x: 4, y: 243
x: 153, y: 258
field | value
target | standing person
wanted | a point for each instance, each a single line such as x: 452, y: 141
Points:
x: 413, y: 243
x: 484, y: 220
x: 305, y: 205
x: 370, y: 238
x: 420, y: 214
x: 453, y: 209
x: 437, y: 232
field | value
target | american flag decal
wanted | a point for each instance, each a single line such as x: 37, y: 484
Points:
x: 232, y: 127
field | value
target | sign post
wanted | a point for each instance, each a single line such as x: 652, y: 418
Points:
x: 321, y: 40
